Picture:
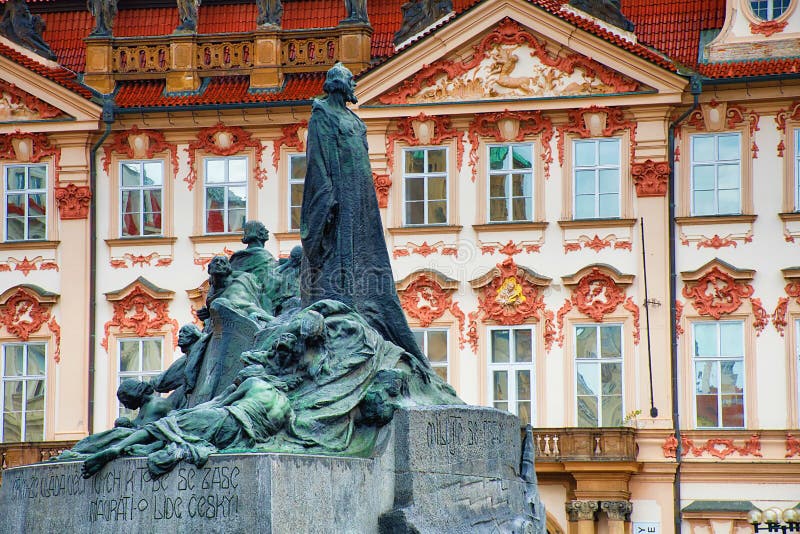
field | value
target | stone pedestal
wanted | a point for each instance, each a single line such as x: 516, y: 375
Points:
x: 436, y: 469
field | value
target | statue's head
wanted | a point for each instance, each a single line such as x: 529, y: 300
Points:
x: 339, y: 79
x: 255, y: 232
x: 312, y: 325
x: 187, y: 335
x: 249, y: 372
x: 219, y: 265
x: 133, y: 393
x: 296, y: 255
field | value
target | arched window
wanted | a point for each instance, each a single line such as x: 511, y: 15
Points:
x: 769, y: 9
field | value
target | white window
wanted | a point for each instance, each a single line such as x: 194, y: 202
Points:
x: 26, y: 202
x: 797, y: 170
x: 425, y: 183
x: 769, y: 9
x: 598, y: 375
x: 22, y: 400
x: 141, y: 197
x: 434, y: 343
x: 297, y: 176
x: 139, y: 359
x: 510, y: 182
x: 597, y: 178
x: 716, y: 174
x: 511, y: 371
x: 225, y: 194
x: 797, y: 365
x: 718, y: 359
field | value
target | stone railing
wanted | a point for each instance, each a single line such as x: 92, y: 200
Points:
x: 585, y: 444
x: 16, y: 454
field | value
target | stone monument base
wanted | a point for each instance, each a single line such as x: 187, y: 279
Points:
x: 434, y: 469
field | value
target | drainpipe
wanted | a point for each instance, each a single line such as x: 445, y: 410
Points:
x: 108, y: 119
x: 696, y: 87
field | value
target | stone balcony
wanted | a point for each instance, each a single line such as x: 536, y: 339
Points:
x: 31, y: 452
x: 585, y: 444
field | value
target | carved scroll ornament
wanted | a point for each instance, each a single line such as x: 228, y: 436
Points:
x: 222, y: 140
x: 141, y: 144
x: 717, y: 293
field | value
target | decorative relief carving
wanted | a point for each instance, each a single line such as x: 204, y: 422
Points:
x: 139, y: 144
x: 17, y: 105
x: 427, y: 295
x: 596, y: 121
x: 140, y: 58
x: 225, y: 55
x: 222, y: 140
x: 510, y: 248
x: 597, y: 295
x: 781, y: 117
x: 526, y: 123
x: 650, y: 178
x: 294, y: 136
x: 550, y: 332
x: 779, y: 315
x: 383, y: 183
x: 716, y: 447
x: 792, y: 446
x: 564, y: 310
x: 309, y: 52
x: 25, y: 265
x: 140, y: 260
x: 678, y: 314
x: 25, y: 309
x: 203, y: 260
x: 631, y: 306
x: 424, y: 130
x: 760, y: 315
x: 509, y: 294
x: 472, y: 331
x: 509, y: 63
x: 769, y: 27
x: 717, y: 293
x: 617, y: 510
x: 29, y: 148
x: 73, y: 201
x: 55, y: 328
x: 716, y: 242
x: 140, y: 310
x: 582, y: 510
x: 716, y: 116
x: 425, y: 249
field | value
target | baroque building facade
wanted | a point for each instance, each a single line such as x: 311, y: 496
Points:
x: 591, y: 226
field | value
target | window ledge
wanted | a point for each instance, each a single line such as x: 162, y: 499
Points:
x: 428, y: 229
x: 136, y: 241
x: 509, y: 226
x: 16, y: 245
x: 715, y: 219
x: 790, y: 216
x: 216, y: 238
x: 597, y: 223
x: 287, y: 235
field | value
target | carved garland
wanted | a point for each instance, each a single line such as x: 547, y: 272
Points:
x: 293, y: 136
x: 25, y: 265
x: 716, y: 447
x: 528, y: 123
x: 650, y: 178
x: 779, y: 315
x: 222, y: 140
x: 136, y: 143
x: 768, y: 28
x: 678, y: 314
x: 441, y: 128
x: 780, y: 120
x: 510, y: 248
x: 792, y: 446
x: 735, y: 115
x: 140, y: 313
x: 383, y: 183
x: 425, y: 300
x: 16, y: 99
x: 23, y: 315
x: 717, y: 293
x: 614, y: 122
x: 507, y: 32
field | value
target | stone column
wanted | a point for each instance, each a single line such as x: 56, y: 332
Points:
x: 619, y: 515
x: 584, y: 512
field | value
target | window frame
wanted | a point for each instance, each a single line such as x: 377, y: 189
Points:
x: 718, y: 358
x: 598, y: 361
x: 426, y: 175
x: 226, y: 184
x: 123, y: 375
x: 122, y: 188
x: 26, y: 192
x: 795, y: 160
x: 511, y: 367
x: 290, y: 182
x: 619, y: 167
x: 25, y: 378
x: 508, y: 197
x: 424, y: 347
x: 770, y: 10
x: 716, y: 163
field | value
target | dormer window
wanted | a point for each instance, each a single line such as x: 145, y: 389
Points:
x: 769, y: 9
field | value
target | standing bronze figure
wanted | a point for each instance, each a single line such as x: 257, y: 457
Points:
x: 104, y: 12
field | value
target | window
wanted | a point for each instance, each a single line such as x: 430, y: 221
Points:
x: 226, y: 194
x: 597, y: 178
x: 425, y: 181
x: 139, y: 359
x: 510, y: 183
x: 769, y: 9
x: 598, y: 375
x: 297, y: 176
x: 716, y: 174
x: 511, y: 371
x: 141, y: 197
x: 433, y: 342
x: 22, y: 401
x: 26, y: 202
x: 797, y: 169
x: 718, y: 359
x: 797, y: 362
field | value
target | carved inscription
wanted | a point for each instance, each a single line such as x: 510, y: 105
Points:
x: 129, y: 493
x: 450, y: 434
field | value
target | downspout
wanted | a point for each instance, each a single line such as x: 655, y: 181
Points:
x: 108, y: 119
x: 696, y: 87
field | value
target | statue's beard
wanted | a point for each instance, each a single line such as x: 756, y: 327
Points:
x: 350, y: 96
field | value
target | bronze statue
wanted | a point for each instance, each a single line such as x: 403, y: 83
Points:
x: 356, y: 12
x: 270, y: 13
x: 183, y: 371
x: 240, y: 290
x: 344, y: 251
x: 606, y: 10
x: 187, y: 14
x: 19, y: 26
x: 104, y: 12
x: 418, y: 15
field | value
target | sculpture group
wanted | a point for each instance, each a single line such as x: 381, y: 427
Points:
x: 311, y: 353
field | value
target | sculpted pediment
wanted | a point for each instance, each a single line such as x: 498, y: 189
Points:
x: 510, y: 62
x: 17, y: 105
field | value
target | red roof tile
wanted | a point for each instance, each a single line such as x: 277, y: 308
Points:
x: 60, y: 75
x: 220, y: 90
